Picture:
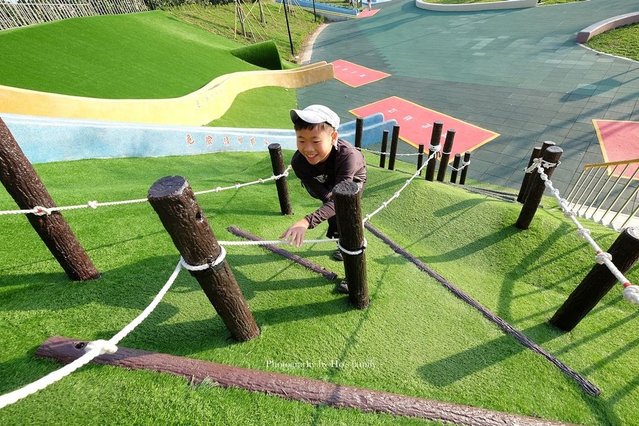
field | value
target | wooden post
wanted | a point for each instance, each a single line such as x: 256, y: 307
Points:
x: 456, y: 164
x: 351, y: 237
x: 526, y: 182
x: 393, y: 149
x: 24, y: 185
x: 598, y: 282
x: 382, y: 157
x: 462, y: 178
x: 536, y: 153
x: 443, y: 162
x: 537, y: 187
x: 172, y: 199
x: 420, y: 157
x: 359, y: 130
x: 277, y: 161
x: 435, y: 139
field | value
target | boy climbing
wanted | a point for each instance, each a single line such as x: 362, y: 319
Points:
x: 321, y: 161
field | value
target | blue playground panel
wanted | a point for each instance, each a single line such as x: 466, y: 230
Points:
x: 46, y: 140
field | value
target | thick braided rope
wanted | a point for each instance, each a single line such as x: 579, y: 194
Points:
x: 399, y: 191
x: 630, y: 292
x: 41, y: 211
x: 94, y: 349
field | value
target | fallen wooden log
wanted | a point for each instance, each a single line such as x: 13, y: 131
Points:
x: 295, y: 388
x: 329, y: 275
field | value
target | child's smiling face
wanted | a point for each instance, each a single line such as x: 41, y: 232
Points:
x: 315, y: 143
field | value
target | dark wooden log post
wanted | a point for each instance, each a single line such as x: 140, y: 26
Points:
x: 382, y: 157
x: 24, y: 185
x: 359, y: 131
x: 526, y: 182
x: 351, y: 237
x: 456, y: 164
x: 435, y: 139
x: 173, y: 200
x: 464, y: 172
x: 536, y: 153
x: 443, y: 162
x: 598, y: 282
x: 537, y: 187
x: 393, y: 148
x: 277, y: 161
x: 420, y: 157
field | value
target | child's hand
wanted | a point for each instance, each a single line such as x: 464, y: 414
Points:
x: 295, y: 234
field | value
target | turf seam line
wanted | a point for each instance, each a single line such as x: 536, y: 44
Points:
x: 584, y: 383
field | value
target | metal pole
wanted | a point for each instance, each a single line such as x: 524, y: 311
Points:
x: 288, y: 27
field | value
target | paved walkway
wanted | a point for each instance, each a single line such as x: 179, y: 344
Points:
x: 517, y: 72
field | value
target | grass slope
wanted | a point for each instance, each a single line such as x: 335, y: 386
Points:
x: 415, y: 338
x: 143, y: 55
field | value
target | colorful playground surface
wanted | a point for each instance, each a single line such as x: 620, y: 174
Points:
x: 415, y: 123
x: 355, y: 75
x: 619, y: 140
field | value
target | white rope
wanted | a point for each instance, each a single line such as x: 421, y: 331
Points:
x: 41, y: 211
x: 537, y: 162
x: 387, y: 153
x: 631, y: 292
x: 272, y: 242
x: 240, y: 185
x: 207, y: 265
x: 355, y: 252
x: 93, y: 350
x: 397, y: 193
x: 460, y: 168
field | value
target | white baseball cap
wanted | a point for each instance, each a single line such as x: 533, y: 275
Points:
x: 315, y: 114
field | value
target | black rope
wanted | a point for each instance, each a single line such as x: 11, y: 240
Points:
x: 586, y: 385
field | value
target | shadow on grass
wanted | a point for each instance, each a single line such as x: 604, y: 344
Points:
x: 474, y: 246
x: 456, y: 367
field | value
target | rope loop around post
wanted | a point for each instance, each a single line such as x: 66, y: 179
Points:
x: 207, y: 265
x: 602, y: 257
x: 42, y: 211
x: 631, y: 293
x: 434, y: 148
x: 355, y: 252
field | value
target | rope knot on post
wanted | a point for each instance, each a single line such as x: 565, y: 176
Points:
x: 102, y: 346
x: 354, y: 252
x: 631, y: 293
x: 210, y: 264
x: 42, y: 211
x: 602, y: 257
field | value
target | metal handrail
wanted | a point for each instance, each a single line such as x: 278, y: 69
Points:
x: 589, y: 195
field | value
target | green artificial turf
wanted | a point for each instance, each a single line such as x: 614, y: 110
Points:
x: 414, y: 339
x: 144, y: 55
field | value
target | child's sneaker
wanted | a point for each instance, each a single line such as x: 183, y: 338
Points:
x: 337, y: 255
x: 342, y: 287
